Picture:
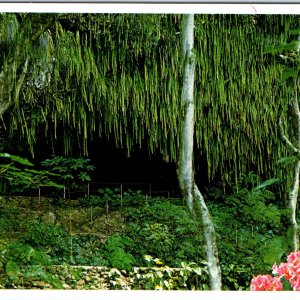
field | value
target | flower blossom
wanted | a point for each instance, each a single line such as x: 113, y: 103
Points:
x: 290, y: 270
x: 266, y: 283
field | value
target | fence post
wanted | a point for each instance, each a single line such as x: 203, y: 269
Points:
x: 106, y: 209
x: 150, y: 189
x: 121, y: 197
x: 91, y: 216
x: 64, y: 193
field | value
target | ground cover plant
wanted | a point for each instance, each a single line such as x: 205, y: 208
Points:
x: 145, y: 232
x: 248, y: 221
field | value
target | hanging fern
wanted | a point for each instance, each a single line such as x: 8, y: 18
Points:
x: 119, y: 76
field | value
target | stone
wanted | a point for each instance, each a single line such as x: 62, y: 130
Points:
x: 41, y: 284
x: 49, y: 218
x: 66, y: 286
x: 80, y: 282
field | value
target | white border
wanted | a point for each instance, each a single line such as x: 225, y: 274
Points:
x: 145, y: 295
x: 151, y: 8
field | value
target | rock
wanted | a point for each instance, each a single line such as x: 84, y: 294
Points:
x: 80, y: 282
x: 41, y: 284
x: 66, y: 286
x: 49, y: 218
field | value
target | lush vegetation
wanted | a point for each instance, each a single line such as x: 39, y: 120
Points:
x: 155, y: 232
x: 68, y: 81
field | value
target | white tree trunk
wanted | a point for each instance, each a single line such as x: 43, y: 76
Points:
x: 210, y: 241
x: 293, y: 195
x: 187, y: 132
x: 293, y: 199
x: 190, y: 191
x: 292, y: 232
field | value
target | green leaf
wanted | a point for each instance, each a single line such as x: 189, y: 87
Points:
x: 287, y: 160
x: 289, y: 73
x: 13, y: 271
x: 266, y: 183
x: 16, y: 158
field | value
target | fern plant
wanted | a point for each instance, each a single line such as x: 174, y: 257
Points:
x: 252, y: 202
x: 18, y: 174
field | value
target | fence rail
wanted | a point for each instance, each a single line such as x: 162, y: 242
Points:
x: 93, y: 187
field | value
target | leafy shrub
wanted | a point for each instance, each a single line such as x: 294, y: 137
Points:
x: 73, y: 172
x: 250, y: 202
x: 236, y: 276
x: 91, y: 200
x: 54, y: 240
x: 161, y: 227
x: 22, y: 264
x: 158, y: 276
x: 134, y: 198
x: 24, y: 254
x: 112, y: 198
x: 116, y: 252
x: 6, y: 215
x: 247, y: 222
x: 109, y: 197
x: 17, y: 277
x: 19, y: 174
x: 157, y: 239
x: 88, y: 250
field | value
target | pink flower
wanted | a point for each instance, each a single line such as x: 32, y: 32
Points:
x: 294, y: 258
x: 284, y: 269
x: 296, y: 284
x: 275, y: 269
x: 289, y: 270
x: 266, y: 283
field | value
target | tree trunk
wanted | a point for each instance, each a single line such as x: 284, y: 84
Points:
x: 189, y: 189
x: 293, y: 197
x: 292, y: 232
x: 210, y: 241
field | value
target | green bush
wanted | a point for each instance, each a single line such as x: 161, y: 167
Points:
x: 54, y: 240
x: 116, y: 246
x: 73, y: 172
x: 24, y: 254
x: 22, y: 264
x: 23, y: 277
x: 91, y: 200
x: 18, y: 175
x: 161, y: 228
x: 247, y: 222
x: 88, y: 250
x: 7, y: 214
x: 157, y: 276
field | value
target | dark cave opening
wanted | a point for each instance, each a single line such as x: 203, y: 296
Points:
x: 140, y: 171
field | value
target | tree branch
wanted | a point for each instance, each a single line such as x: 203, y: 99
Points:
x: 296, y: 150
